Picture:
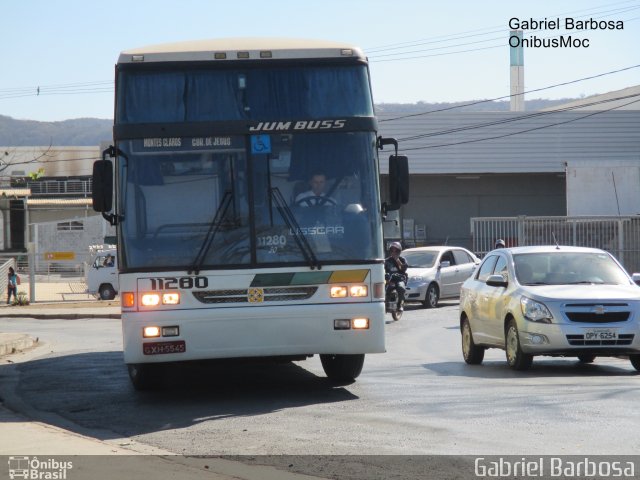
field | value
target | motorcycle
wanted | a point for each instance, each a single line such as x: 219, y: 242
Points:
x: 392, y: 305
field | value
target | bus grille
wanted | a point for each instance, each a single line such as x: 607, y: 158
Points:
x: 271, y: 294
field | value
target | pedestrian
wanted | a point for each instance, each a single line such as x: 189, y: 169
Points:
x: 12, y: 285
x: 500, y: 243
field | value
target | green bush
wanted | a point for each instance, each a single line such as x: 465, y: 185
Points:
x: 21, y: 299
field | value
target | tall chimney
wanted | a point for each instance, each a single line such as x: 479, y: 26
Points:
x: 517, y: 70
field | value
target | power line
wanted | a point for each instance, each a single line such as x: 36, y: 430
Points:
x: 487, y: 31
x: 509, y: 96
x: 518, y: 118
x: 61, y: 92
x: 376, y: 58
x: 493, y: 29
x: 54, y: 87
x: 528, y: 33
x: 520, y: 132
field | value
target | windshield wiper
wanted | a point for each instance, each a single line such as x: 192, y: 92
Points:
x: 211, y: 233
x: 298, y: 235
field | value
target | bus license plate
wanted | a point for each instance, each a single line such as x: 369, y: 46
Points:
x: 159, y: 348
x: 600, y: 334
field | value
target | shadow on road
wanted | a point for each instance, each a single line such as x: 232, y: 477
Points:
x: 93, y: 390
x: 551, y: 368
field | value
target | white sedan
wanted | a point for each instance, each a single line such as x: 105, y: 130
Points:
x: 437, y: 272
x: 553, y: 300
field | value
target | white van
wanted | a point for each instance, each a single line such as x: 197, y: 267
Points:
x: 102, y: 275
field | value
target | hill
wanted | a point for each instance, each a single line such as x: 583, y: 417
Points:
x: 92, y: 131
x: 76, y: 132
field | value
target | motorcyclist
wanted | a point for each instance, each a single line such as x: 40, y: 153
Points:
x: 395, y: 267
x: 500, y: 243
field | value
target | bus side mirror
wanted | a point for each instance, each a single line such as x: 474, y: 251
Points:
x: 102, y: 192
x: 398, y: 181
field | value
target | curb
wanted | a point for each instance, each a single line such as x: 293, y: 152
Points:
x: 15, y: 342
x: 60, y: 316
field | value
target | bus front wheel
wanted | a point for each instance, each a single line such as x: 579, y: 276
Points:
x: 144, y: 376
x: 342, y: 368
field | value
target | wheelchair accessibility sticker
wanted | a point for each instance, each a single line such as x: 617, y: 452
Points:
x: 260, y: 144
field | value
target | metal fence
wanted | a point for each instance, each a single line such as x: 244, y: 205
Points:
x: 44, y: 280
x: 616, y: 234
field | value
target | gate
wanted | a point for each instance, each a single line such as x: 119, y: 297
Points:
x: 616, y: 234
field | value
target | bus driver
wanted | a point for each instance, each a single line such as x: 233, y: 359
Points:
x: 316, y: 196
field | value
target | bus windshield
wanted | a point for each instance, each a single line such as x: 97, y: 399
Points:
x: 274, y: 93
x: 249, y: 200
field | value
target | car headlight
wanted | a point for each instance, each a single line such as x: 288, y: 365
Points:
x: 416, y: 279
x: 535, y: 311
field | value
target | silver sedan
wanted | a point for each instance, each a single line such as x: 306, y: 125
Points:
x: 437, y: 272
x: 555, y: 300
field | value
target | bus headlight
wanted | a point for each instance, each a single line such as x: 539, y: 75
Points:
x: 171, y: 298
x: 360, y: 323
x: 150, y: 299
x: 358, y: 291
x: 338, y: 292
x: 150, y: 332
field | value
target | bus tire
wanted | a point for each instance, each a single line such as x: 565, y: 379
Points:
x: 342, y: 368
x: 144, y: 376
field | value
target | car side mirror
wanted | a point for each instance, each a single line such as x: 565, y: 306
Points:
x: 496, y: 281
x: 445, y: 263
x: 636, y: 278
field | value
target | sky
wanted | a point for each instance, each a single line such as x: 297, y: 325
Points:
x: 419, y: 50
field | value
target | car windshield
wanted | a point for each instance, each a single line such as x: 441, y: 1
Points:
x: 420, y: 259
x: 568, y: 268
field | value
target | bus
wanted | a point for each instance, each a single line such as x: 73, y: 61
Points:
x: 243, y: 181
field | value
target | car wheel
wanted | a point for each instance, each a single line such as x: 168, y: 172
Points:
x: 432, y: 296
x: 586, y: 358
x: 342, y: 368
x: 472, y: 354
x: 107, y: 292
x: 635, y: 361
x: 516, y: 358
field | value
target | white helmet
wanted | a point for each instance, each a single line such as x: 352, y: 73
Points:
x: 395, y: 245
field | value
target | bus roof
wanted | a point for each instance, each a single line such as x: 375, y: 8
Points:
x: 240, y: 49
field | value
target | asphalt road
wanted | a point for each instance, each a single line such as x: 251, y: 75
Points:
x: 419, y: 398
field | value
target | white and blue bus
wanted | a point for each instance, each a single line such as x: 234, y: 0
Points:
x: 247, y: 204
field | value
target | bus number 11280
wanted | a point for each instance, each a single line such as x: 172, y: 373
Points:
x: 184, y: 283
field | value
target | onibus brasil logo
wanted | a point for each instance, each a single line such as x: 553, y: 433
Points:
x: 35, y: 469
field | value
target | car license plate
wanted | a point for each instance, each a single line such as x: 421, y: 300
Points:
x: 159, y: 348
x: 600, y: 334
